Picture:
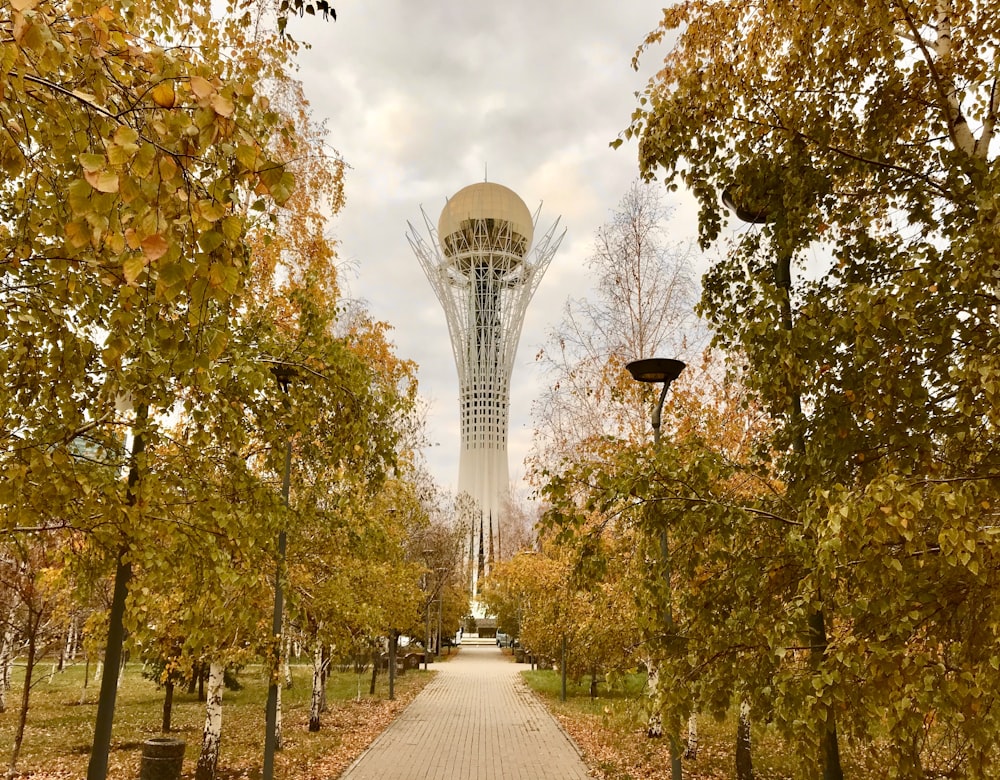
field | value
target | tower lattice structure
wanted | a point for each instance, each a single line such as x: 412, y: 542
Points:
x: 484, y: 270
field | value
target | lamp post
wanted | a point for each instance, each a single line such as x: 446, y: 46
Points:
x: 665, y: 371
x: 817, y: 620
x: 283, y: 374
x: 427, y: 610
x: 440, y: 572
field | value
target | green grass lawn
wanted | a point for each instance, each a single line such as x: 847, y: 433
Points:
x: 611, y: 731
x: 60, y: 729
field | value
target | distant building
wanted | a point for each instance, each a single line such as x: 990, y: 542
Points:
x: 484, y: 271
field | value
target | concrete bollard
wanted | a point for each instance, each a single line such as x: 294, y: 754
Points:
x: 162, y: 759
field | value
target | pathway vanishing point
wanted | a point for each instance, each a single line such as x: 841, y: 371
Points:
x: 476, y: 720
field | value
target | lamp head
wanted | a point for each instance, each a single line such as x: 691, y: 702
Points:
x: 284, y: 374
x: 655, y: 370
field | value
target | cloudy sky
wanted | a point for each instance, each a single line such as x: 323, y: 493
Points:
x: 423, y: 99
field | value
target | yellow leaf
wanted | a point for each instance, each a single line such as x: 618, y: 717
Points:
x: 23, y: 5
x: 92, y: 162
x: 102, y: 181
x: 223, y: 106
x: 163, y: 94
x: 154, y: 247
x: 201, y: 88
x: 77, y: 233
x: 211, y: 211
x: 133, y: 267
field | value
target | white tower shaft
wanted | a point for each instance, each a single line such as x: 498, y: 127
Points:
x: 484, y: 281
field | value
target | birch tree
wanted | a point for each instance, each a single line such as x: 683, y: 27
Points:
x: 211, y: 736
x: 867, y: 131
x: 642, y: 305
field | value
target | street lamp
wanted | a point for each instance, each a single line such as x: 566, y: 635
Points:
x: 440, y: 589
x: 665, y: 371
x: 427, y: 611
x: 284, y: 375
x: 656, y: 370
x: 817, y: 621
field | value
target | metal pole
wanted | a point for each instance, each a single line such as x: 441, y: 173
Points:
x: 440, y: 609
x: 676, y: 771
x: 427, y: 632
x: 271, y: 712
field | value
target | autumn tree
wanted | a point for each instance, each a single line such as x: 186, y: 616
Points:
x: 127, y: 167
x: 642, y: 305
x: 866, y: 131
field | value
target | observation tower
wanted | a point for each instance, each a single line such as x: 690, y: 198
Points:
x: 484, y: 271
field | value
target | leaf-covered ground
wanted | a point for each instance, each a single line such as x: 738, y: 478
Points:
x: 610, y: 731
x: 58, y: 739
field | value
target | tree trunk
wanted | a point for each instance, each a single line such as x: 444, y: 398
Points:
x: 316, y: 703
x: 744, y: 759
x: 168, y: 705
x: 286, y: 667
x: 654, y: 726
x: 22, y: 720
x: 6, y: 660
x: 325, y: 674
x: 99, y: 671
x: 278, y: 740
x: 86, y: 679
x: 393, y: 639
x: 211, y: 736
x: 74, y: 646
x: 691, y: 751
x: 7, y: 655
x: 375, y: 661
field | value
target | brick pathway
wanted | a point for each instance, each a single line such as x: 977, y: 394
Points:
x: 475, y: 720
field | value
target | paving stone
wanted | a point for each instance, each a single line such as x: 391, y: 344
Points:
x: 476, y: 720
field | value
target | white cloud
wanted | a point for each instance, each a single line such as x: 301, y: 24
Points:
x: 419, y: 99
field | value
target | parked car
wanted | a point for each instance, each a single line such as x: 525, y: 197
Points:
x: 504, y: 640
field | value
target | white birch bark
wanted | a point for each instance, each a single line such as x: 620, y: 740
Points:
x: 286, y: 666
x: 744, y: 757
x: 6, y: 660
x: 211, y: 736
x: 278, y: 740
x: 316, y: 702
x: 7, y: 652
x: 72, y: 639
x: 98, y: 671
x: 654, y: 727
x: 691, y: 751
